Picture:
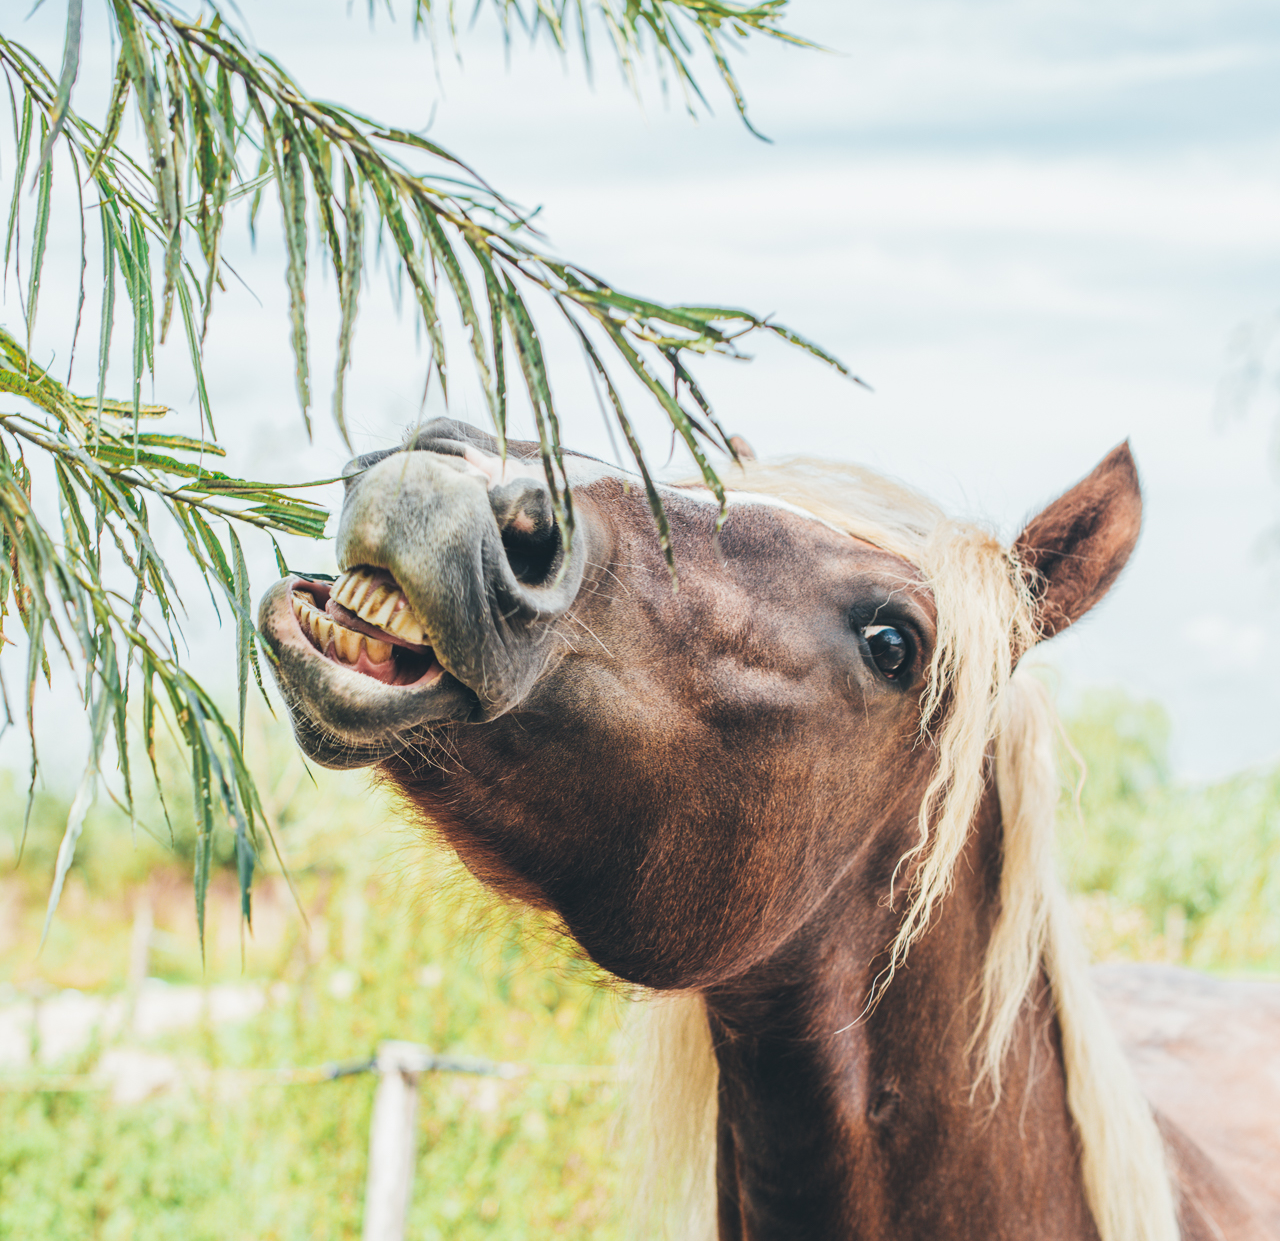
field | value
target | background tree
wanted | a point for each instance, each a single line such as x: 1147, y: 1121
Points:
x: 222, y: 121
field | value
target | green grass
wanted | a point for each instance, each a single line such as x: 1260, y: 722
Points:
x: 398, y: 944
x: 496, y: 1159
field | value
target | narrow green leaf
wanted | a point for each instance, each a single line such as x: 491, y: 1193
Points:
x: 202, y: 796
x: 280, y: 561
x: 244, y: 626
x: 349, y: 295
x: 195, y: 351
x: 633, y: 443
x: 109, y: 244
x: 136, y: 263
x: 493, y: 293
x: 393, y: 215
x: 444, y: 255
x: 22, y: 139
x: 85, y: 796
x: 533, y: 369
x: 184, y: 443
x: 172, y: 171
x: 217, y: 557
x: 38, y: 240
x: 315, y: 151
x: 115, y: 113
x: 71, y: 509
x: 679, y: 418
x: 67, y: 78
x: 84, y: 259
x: 293, y: 202
x: 216, y: 184
x: 149, y: 731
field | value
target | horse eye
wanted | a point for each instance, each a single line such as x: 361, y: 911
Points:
x: 888, y: 648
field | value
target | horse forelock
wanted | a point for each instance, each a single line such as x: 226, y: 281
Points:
x: 975, y: 703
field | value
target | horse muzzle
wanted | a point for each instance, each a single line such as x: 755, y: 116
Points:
x: 453, y: 571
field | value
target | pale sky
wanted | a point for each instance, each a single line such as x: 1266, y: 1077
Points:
x: 1034, y: 228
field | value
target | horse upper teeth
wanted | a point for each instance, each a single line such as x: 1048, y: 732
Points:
x: 326, y: 632
x: 368, y: 594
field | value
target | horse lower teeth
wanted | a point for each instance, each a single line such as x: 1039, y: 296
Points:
x: 373, y: 598
x: 326, y: 632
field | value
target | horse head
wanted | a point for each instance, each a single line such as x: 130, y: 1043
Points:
x: 683, y: 773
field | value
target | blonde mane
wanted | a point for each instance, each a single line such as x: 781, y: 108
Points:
x: 985, y: 622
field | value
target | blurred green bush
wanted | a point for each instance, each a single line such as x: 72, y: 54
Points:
x: 396, y: 943
x: 1189, y: 873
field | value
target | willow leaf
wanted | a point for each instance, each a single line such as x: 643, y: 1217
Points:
x: 293, y: 202
x: 493, y: 294
x: 149, y: 672
x: 115, y: 114
x: 310, y: 149
x: 85, y: 796
x: 194, y: 353
x: 533, y: 368
x: 349, y: 295
x: 135, y: 258
x: 71, y: 509
x: 22, y: 136
x: 116, y: 688
x: 39, y: 239
x: 393, y: 215
x: 445, y: 256
x: 107, y: 321
x: 244, y: 625
x: 183, y: 443
x: 202, y: 796
x: 215, y: 198
x: 281, y: 563
x: 67, y: 78
x: 679, y: 418
x: 633, y: 443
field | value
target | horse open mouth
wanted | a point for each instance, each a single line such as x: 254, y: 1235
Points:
x: 363, y: 622
x: 454, y: 574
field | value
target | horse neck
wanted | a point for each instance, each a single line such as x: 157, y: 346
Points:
x: 838, y: 1124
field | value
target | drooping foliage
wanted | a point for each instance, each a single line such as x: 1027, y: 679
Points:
x: 222, y: 122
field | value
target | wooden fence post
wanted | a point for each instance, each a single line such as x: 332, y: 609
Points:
x: 392, y: 1134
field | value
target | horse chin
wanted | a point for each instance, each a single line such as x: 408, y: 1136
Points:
x: 354, y: 711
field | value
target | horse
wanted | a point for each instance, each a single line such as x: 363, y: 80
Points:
x: 804, y: 794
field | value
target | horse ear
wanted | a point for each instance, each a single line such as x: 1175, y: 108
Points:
x: 1076, y: 548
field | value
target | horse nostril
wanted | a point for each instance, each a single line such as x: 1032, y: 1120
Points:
x: 530, y: 535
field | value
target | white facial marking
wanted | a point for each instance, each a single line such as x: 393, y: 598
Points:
x: 748, y: 498
x: 583, y: 471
